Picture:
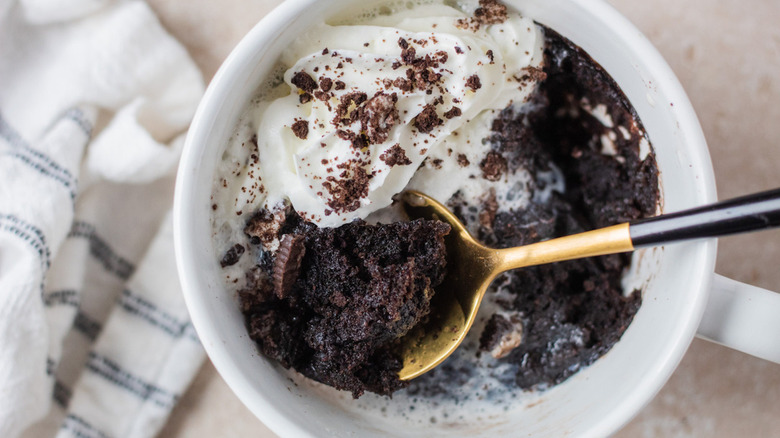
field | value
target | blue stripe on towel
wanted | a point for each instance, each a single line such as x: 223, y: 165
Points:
x: 80, y: 428
x: 113, y: 373
x: 38, y: 160
x: 149, y: 312
x: 111, y: 261
x: 28, y: 233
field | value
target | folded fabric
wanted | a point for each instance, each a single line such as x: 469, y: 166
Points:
x: 95, y: 340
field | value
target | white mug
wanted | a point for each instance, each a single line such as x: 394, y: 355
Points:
x: 678, y: 281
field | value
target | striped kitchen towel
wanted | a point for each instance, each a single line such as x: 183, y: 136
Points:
x: 95, y: 340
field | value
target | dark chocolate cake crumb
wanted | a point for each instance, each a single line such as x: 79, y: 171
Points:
x: 326, y: 83
x: 322, y: 96
x: 408, y: 54
x: 348, y: 189
x: 347, y: 110
x: 463, y: 161
x: 301, y: 129
x: 340, y: 85
x: 427, y: 119
x: 490, y: 12
x: 357, y: 141
x: 452, y: 113
x: 403, y: 84
x: 489, y: 209
x: 264, y: 225
x: 493, y: 166
x: 532, y: 74
x: 303, y: 81
x: 395, y: 156
x: 420, y: 75
x: 232, y: 255
x: 378, y: 116
x: 359, y: 289
x: 473, y: 82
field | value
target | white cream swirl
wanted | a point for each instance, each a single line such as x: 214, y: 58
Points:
x: 368, y: 103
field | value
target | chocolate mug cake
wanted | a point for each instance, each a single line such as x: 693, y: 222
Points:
x: 514, y: 127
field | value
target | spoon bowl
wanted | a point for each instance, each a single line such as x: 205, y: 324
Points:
x: 470, y: 269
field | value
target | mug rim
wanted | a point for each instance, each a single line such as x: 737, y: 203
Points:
x: 209, y: 108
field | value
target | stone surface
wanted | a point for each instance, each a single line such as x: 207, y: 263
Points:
x: 727, y: 55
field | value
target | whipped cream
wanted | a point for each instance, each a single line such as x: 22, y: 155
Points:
x: 358, y: 116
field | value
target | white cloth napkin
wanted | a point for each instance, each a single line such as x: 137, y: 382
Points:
x: 95, y: 340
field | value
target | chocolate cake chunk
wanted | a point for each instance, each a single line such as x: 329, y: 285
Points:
x: 608, y: 189
x: 572, y: 312
x: 576, y: 311
x: 355, y: 291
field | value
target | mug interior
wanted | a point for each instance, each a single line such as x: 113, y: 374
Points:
x: 594, y: 402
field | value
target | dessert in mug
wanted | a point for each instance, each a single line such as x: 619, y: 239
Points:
x: 511, y: 125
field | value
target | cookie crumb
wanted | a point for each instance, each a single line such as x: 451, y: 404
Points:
x: 395, y: 156
x: 493, y: 166
x: 303, y: 81
x: 301, y: 129
x: 453, y: 112
x: 474, y: 83
x: 427, y: 119
x: 232, y: 255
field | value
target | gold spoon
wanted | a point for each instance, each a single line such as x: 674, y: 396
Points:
x: 471, y: 266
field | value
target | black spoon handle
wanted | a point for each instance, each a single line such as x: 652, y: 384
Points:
x: 747, y: 213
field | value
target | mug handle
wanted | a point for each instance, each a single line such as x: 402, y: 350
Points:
x: 743, y: 317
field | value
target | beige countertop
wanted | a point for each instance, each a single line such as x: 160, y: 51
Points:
x: 727, y: 56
